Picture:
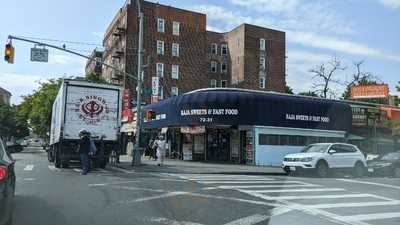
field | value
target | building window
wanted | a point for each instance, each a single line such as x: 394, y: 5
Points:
x: 176, y: 28
x: 214, y: 48
x: 262, y: 44
x: 214, y: 66
x: 160, y: 25
x: 174, y: 91
x: 160, y: 69
x: 224, y: 67
x: 213, y: 83
x: 262, y: 82
x: 175, y: 49
x: 175, y: 72
x: 262, y: 63
x: 238, y: 42
x: 160, y: 47
x: 223, y: 83
x: 224, y: 49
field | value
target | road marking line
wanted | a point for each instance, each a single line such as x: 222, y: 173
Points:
x: 29, y: 167
x: 296, y: 197
x: 136, y: 188
x: 249, y: 220
x: 173, y: 180
x: 234, y: 199
x: 366, y: 217
x: 77, y: 170
x: 122, y: 170
x: 310, y: 211
x: 115, y: 183
x: 167, y: 195
x: 53, y: 168
x: 29, y: 179
x: 250, y: 182
x: 353, y: 204
x: 171, y: 222
x: 267, y: 186
x: 297, y: 190
x: 371, y: 183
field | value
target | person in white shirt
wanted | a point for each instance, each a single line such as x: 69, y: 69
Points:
x: 161, y: 146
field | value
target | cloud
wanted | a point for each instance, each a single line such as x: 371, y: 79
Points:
x: 97, y: 34
x: 66, y: 60
x: 306, y: 56
x: 324, y: 42
x: 224, y: 19
x: 267, y: 5
x: 215, y: 29
x: 393, y: 4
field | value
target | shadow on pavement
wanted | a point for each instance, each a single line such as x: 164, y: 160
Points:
x: 35, y: 211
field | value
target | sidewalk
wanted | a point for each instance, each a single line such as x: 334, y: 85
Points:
x: 189, y: 167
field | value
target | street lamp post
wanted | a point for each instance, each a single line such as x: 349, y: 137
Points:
x: 136, y: 159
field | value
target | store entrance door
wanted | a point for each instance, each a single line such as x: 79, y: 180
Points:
x: 218, y: 145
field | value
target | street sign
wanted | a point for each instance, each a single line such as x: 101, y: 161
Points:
x: 155, y: 85
x: 39, y: 55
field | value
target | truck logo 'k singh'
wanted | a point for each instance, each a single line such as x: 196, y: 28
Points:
x: 91, y: 109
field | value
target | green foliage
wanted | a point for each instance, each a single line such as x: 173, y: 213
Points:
x: 288, y: 90
x: 11, y: 124
x: 309, y: 93
x: 92, y: 77
x: 36, y: 108
x: 395, y: 126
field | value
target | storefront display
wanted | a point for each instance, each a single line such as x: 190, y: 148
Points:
x: 187, y: 147
x: 249, y: 148
x: 235, y: 145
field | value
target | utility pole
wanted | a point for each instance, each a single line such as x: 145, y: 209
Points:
x: 136, y: 159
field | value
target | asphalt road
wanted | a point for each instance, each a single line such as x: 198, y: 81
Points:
x: 49, y: 196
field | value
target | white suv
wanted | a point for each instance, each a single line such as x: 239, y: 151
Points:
x: 325, y: 157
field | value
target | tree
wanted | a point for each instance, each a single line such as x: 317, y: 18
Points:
x: 309, y: 93
x: 37, y: 108
x: 359, y: 77
x: 11, y: 125
x: 92, y: 77
x: 324, y: 77
x: 288, y: 90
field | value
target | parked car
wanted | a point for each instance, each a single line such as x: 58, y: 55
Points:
x: 324, y: 158
x: 7, y: 185
x: 385, y: 165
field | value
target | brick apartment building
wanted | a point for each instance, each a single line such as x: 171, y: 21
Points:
x: 185, y: 56
x: 93, y: 66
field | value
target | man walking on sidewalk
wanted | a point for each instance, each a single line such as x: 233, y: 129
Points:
x: 161, y: 146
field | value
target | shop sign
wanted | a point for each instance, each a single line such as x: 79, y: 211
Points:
x: 193, y: 130
x: 209, y: 112
x: 312, y: 118
x: 127, y: 114
x: 370, y: 91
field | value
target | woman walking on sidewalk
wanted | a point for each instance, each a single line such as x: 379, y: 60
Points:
x: 161, y: 146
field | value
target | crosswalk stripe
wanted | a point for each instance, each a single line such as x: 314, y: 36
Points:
x: 298, y: 190
x: 266, y: 186
x: 249, y: 220
x: 230, y: 179
x: 225, y: 177
x: 29, y: 167
x: 353, y: 204
x: 372, y: 216
x: 250, y: 182
x: 53, y: 168
x: 299, y: 197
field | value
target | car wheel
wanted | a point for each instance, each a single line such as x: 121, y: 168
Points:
x: 322, y: 169
x: 397, y: 172
x: 358, y: 170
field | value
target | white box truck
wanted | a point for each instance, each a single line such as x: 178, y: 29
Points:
x: 82, y: 105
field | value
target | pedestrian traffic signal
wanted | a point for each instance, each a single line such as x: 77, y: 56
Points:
x: 150, y: 115
x: 9, y: 54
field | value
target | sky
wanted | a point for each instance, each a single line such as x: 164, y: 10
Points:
x: 316, y: 32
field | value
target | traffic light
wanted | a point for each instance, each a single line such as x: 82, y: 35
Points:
x: 150, y: 115
x: 9, y: 53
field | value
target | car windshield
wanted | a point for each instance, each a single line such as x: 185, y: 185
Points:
x: 315, y: 149
x: 391, y: 156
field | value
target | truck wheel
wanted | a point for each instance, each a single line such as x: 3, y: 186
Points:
x: 102, y: 164
x: 65, y: 164
x: 50, y: 156
x: 57, y: 160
